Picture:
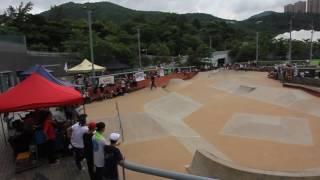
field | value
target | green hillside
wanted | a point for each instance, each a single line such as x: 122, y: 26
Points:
x: 271, y: 22
x: 277, y: 23
x: 106, y: 11
x: 64, y: 28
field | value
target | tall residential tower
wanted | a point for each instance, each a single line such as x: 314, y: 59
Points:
x: 313, y: 6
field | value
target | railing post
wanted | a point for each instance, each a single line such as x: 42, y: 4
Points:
x: 123, y: 172
x: 3, y: 131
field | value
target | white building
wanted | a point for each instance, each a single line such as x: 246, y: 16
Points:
x: 219, y: 58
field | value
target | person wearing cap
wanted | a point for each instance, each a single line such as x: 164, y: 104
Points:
x: 88, y: 149
x: 77, y: 131
x: 98, y: 144
x: 112, y: 158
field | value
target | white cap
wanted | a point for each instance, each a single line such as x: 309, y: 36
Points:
x: 114, y: 136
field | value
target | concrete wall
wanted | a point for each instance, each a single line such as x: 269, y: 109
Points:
x: 305, y: 81
x: 220, y: 55
x: 206, y: 164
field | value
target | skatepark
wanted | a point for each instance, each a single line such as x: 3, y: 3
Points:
x: 242, y: 119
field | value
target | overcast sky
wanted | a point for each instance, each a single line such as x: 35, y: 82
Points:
x: 228, y: 9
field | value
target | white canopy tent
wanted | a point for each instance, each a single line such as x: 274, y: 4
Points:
x: 85, y: 66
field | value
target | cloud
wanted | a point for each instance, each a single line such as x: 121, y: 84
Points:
x: 228, y: 9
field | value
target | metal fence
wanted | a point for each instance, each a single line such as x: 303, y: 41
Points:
x: 161, y: 173
x: 305, y: 81
x: 19, y: 39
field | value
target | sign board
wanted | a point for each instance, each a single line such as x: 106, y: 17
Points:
x: 161, y: 71
x: 139, y: 76
x: 106, y: 80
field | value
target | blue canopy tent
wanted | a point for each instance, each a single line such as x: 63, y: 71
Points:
x: 34, y: 69
x: 46, y: 74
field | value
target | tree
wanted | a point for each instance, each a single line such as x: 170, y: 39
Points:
x: 153, y: 49
x: 163, y: 50
x: 21, y: 13
x: 196, y: 23
x: 203, y: 51
x: 57, y: 13
x: 190, y: 41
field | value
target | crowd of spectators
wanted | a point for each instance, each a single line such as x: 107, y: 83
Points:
x: 63, y: 131
x: 43, y: 129
x: 123, y: 84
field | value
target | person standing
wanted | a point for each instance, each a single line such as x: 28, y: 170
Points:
x: 49, y: 131
x: 88, y: 149
x: 99, y: 142
x: 123, y: 86
x: 77, y: 131
x: 153, y: 84
x: 112, y: 158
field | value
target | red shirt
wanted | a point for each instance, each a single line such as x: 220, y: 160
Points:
x: 48, y: 129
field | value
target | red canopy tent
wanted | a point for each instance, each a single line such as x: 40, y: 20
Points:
x: 37, y: 92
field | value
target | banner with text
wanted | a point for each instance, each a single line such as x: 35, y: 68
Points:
x: 161, y: 71
x: 139, y: 76
x: 106, y: 80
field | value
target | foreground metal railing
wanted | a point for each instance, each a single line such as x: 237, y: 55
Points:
x: 160, y: 172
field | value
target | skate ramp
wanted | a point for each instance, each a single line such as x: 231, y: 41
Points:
x: 227, y: 86
x: 234, y: 87
x: 136, y: 127
x: 169, y: 111
x: 141, y: 127
x: 173, y: 106
x: 209, y: 165
x: 288, y: 130
x: 242, y: 89
x: 278, y: 96
x: 272, y: 95
x: 307, y: 106
x: 178, y: 84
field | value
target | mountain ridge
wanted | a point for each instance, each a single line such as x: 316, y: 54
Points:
x: 112, y: 12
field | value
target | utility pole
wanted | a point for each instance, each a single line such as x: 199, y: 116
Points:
x: 210, y: 42
x: 290, y: 43
x: 91, y: 44
x: 139, y: 49
x: 257, y: 47
x: 257, y: 42
x: 311, y: 42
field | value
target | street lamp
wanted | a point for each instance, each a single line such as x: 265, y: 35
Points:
x: 139, y: 49
x: 311, y: 42
x: 257, y: 43
x: 290, y: 42
x: 91, y: 43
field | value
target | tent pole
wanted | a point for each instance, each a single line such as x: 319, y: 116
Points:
x: 84, y: 108
x: 4, y: 134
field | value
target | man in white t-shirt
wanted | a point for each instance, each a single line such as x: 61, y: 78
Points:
x: 77, y: 131
x: 99, y: 142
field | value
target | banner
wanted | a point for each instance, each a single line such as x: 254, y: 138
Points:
x: 139, y: 76
x: 106, y: 80
x: 161, y: 71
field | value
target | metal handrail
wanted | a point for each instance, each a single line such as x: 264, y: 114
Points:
x: 160, y: 172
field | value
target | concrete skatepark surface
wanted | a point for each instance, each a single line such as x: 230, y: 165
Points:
x: 241, y: 117
x: 288, y: 130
